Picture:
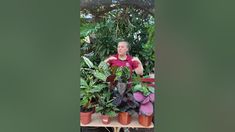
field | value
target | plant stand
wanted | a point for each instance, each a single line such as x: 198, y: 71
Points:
x: 96, y: 122
x: 116, y: 129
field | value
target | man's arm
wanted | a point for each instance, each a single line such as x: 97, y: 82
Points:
x: 139, y: 69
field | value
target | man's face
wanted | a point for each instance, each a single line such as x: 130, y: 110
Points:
x: 122, y: 48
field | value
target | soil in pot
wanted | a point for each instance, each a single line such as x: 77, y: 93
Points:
x: 105, y: 119
x: 124, y: 118
x: 85, y: 117
x: 145, y: 120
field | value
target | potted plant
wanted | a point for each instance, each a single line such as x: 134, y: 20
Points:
x: 126, y: 104
x: 145, y: 96
x: 106, y: 106
x: 88, y: 93
x: 123, y: 97
x: 86, y: 97
x: 89, y: 88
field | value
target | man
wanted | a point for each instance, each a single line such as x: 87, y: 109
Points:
x: 123, y: 59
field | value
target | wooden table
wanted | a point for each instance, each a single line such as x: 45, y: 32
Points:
x: 96, y: 122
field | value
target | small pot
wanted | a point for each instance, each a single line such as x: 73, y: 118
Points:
x: 105, y: 119
x: 124, y: 118
x: 145, y: 120
x: 85, y: 117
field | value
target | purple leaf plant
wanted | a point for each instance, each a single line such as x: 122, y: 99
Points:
x: 146, y: 101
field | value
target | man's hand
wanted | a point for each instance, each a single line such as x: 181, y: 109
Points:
x: 136, y: 59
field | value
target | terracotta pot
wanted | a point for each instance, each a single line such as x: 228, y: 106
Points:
x: 145, y: 120
x: 85, y: 117
x: 124, y: 118
x: 105, y: 119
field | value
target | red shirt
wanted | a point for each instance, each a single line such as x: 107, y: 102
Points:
x: 128, y: 62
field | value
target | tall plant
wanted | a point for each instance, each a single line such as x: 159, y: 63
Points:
x: 92, y: 81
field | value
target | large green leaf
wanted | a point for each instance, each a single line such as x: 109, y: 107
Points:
x: 99, y: 75
x: 92, y: 83
x: 86, y: 29
x: 99, y: 109
x: 142, y: 88
x: 151, y: 89
x: 103, y: 65
x: 84, y: 101
x: 98, y: 87
x: 88, y: 62
x: 145, y: 91
x: 83, y: 83
x: 137, y: 87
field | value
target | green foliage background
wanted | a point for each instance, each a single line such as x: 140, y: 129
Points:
x: 129, y: 23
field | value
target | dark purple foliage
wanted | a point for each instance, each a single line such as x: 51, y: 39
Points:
x: 125, y: 101
x: 110, y: 78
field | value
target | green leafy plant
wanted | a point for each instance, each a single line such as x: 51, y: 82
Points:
x: 105, y: 104
x: 97, y: 87
x: 122, y: 74
x: 146, y: 90
x: 91, y: 83
x: 88, y: 92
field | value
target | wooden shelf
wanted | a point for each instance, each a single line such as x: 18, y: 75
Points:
x: 96, y: 122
